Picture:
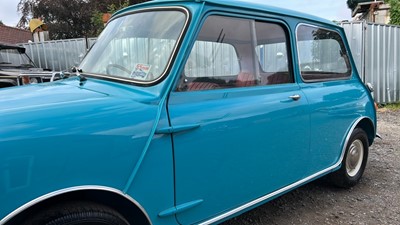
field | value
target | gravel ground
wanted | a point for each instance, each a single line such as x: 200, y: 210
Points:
x: 375, y: 200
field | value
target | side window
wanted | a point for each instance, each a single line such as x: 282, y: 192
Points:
x: 221, y: 56
x: 273, y: 54
x: 234, y: 52
x: 212, y: 59
x: 322, y: 54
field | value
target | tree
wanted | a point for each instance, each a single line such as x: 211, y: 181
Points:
x: 68, y: 18
x: 97, y: 16
x: 394, y: 11
x: 352, y: 4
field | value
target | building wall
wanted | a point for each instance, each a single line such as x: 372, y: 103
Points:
x: 379, y: 15
x: 383, y: 14
x: 12, y: 35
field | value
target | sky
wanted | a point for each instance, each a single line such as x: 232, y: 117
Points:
x: 328, y: 9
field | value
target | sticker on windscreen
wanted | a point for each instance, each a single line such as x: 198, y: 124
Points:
x: 141, y: 71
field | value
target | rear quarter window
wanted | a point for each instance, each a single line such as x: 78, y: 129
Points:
x: 322, y: 54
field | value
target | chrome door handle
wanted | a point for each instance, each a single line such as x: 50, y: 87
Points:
x: 295, y: 97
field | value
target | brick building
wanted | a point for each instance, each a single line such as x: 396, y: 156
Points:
x: 12, y: 35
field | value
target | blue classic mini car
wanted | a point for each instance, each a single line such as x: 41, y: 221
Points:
x: 186, y: 112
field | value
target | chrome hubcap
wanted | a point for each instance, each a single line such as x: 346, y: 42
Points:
x: 354, y: 158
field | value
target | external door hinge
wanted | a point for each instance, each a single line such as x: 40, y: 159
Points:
x: 180, y: 208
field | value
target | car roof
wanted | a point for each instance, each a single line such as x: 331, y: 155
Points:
x: 257, y: 6
x: 10, y: 46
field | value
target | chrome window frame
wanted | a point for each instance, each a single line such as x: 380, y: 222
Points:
x: 298, y: 55
x: 256, y: 18
x: 171, y: 58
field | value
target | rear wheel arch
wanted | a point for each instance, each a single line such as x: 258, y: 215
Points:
x: 367, y: 125
x: 354, y: 161
x: 361, y: 134
x: 131, y: 210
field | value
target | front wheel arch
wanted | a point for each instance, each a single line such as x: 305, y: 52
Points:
x: 131, y: 211
x: 78, y: 213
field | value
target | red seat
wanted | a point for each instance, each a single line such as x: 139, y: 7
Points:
x: 195, y: 86
x: 279, y: 78
x: 245, y: 79
x: 276, y: 78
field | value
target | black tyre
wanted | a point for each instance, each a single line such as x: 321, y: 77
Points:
x: 354, y: 161
x: 78, y: 213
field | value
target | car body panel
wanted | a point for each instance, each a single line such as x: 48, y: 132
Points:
x: 333, y: 104
x: 182, y: 157
x: 82, y: 140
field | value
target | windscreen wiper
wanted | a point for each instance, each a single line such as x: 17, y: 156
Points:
x: 78, y: 72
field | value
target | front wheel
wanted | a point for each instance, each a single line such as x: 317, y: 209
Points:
x: 354, y: 160
x: 78, y: 213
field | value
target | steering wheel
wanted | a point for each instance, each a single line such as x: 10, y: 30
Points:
x: 307, y: 68
x: 124, y: 69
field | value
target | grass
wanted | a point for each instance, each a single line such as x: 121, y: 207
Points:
x: 392, y: 106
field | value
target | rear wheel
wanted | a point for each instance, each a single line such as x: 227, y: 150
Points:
x: 78, y: 213
x: 354, y: 160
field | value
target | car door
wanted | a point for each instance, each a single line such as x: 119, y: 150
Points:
x: 240, y: 123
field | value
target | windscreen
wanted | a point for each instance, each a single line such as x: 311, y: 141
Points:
x: 136, y: 46
x: 14, y: 58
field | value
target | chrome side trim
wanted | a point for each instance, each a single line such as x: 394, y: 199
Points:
x: 287, y: 188
x: 72, y: 189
